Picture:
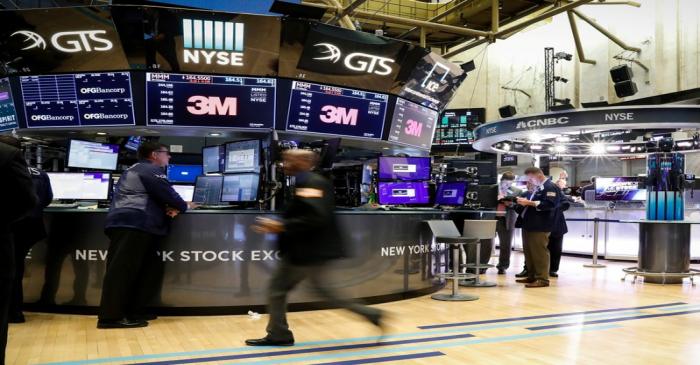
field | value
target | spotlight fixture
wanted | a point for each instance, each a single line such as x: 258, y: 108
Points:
x: 506, y: 147
x: 597, y: 148
x: 563, y: 56
x: 101, y: 133
x: 214, y: 134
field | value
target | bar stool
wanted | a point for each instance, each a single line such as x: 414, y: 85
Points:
x: 446, y: 232
x: 480, y: 230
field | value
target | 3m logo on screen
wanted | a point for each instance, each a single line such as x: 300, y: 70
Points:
x: 548, y: 122
x: 339, y: 115
x: 212, y: 105
x: 212, y: 42
x: 413, y: 128
x: 357, y: 61
x: 68, y: 42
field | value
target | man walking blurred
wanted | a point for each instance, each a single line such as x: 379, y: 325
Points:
x: 309, y: 238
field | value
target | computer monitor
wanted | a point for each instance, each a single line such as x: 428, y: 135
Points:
x: 80, y: 185
x: 207, y: 190
x: 213, y: 159
x: 92, y: 155
x: 409, y: 193
x: 487, y: 196
x: 240, y: 188
x: 184, y: 173
x: 451, y: 193
x: 133, y: 143
x: 242, y: 156
x: 186, y: 192
x: 404, y: 168
x: 619, y: 188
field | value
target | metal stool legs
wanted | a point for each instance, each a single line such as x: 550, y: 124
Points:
x: 455, y: 276
x: 476, y: 283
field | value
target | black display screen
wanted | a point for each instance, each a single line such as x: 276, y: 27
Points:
x: 432, y: 81
x: 412, y: 124
x: 334, y: 110
x: 456, y: 126
x: 210, y: 101
x: 74, y: 100
x: 8, y: 114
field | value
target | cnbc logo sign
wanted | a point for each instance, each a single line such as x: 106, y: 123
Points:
x: 212, y: 42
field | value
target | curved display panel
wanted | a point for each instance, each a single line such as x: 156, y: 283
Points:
x: 8, y: 113
x: 412, y: 124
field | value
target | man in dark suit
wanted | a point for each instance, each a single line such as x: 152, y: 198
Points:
x: 505, y: 219
x: 309, y: 238
x: 538, y: 212
x: 19, y: 200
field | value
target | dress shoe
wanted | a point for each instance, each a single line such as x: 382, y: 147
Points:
x: 144, y: 317
x: 553, y: 274
x: 123, y: 323
x: 537, y: 284
x: 377, y: 319
x: 525, y: 281
x: 522, y: 274
x: 501, y: 271
x: 268, y: 342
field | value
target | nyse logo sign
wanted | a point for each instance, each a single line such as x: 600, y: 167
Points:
x: 339, y: 115
x: 413, y: 128
x: 212, y: 105
x: 357, y: 61
x: 68, y: 42
x: 212, y: 42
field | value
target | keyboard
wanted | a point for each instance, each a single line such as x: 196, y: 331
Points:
x: 414, y: 208
x: 63, y: 205
x: 216, y: 207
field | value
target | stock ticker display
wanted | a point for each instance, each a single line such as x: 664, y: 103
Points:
x: 412, y: 124
x: 210, y: 101
x: 74, y: 100
x: 8, y: 114
x: 456, y: 126
x: 335, y: 110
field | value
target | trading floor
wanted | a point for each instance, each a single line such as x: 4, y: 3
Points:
x: 588, y: 316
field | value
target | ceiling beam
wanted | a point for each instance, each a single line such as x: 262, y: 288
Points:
x: 505, y: 33
x: 346, y: 11
x: 454, y: 8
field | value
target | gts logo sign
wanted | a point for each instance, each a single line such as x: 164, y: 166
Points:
x: 212, y: 105
x: 547, y: 122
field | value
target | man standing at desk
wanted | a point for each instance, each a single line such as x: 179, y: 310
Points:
x: 309, y: 238
x: 505, y: 219
x: 538, y: 213
x: 138, y: 219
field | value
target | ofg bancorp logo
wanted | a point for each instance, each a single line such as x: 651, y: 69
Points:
x: 213, y: 42
x: 102, y: 116
x: 545, y: 122
x: 68, y: 42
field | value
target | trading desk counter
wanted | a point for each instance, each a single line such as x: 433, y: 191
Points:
x: 214, y: 262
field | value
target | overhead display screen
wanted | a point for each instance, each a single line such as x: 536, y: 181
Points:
x: 432, y: 81
x: 333, y: 55
x: 8, y: 114
x: 412, y: 124
x: 59, y: 40
x: 75, y: 100
x: 334, y: 110
x: 456, y: 126
x: 210, y: 101
x: 184, y: 40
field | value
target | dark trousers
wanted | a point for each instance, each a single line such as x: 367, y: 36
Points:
x: 134, y: 274
x: 22, y: 247
x: 285, y: 278
x: 536, y: 254
x: 555, y: 247
x: 505, y: 242
x: 7, y: 272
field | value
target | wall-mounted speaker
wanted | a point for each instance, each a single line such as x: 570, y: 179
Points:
x: 621, y: 73
x: 625, y: 88
x: 507, y: 111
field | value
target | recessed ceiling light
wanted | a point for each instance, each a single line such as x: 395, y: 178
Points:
x: 101, y: 133
x: 214, y: 134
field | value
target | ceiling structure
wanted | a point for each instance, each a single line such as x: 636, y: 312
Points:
x: 452, y: 26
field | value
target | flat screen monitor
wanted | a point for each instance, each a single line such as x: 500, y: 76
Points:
x: 315, y: 108
x: 207, y: 190
x: 240, y: 188
x: 8, y: 114
x: 133, y: 143
x: 619, y: 188
x: 409, y: 193
x: 412, y: 124
x: 80, y: 185
x: 186, y: 192
x: 92, y: 155
x: 433, y: 80
x: 456, y: 126
x: 78, y: 100
x: 404, y: 168
x: 487, y: 196
x: 184, y: 173
x: 210, y: 101
x: 451, y: 193
x: 242, y: 156
x: 213, y: 159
